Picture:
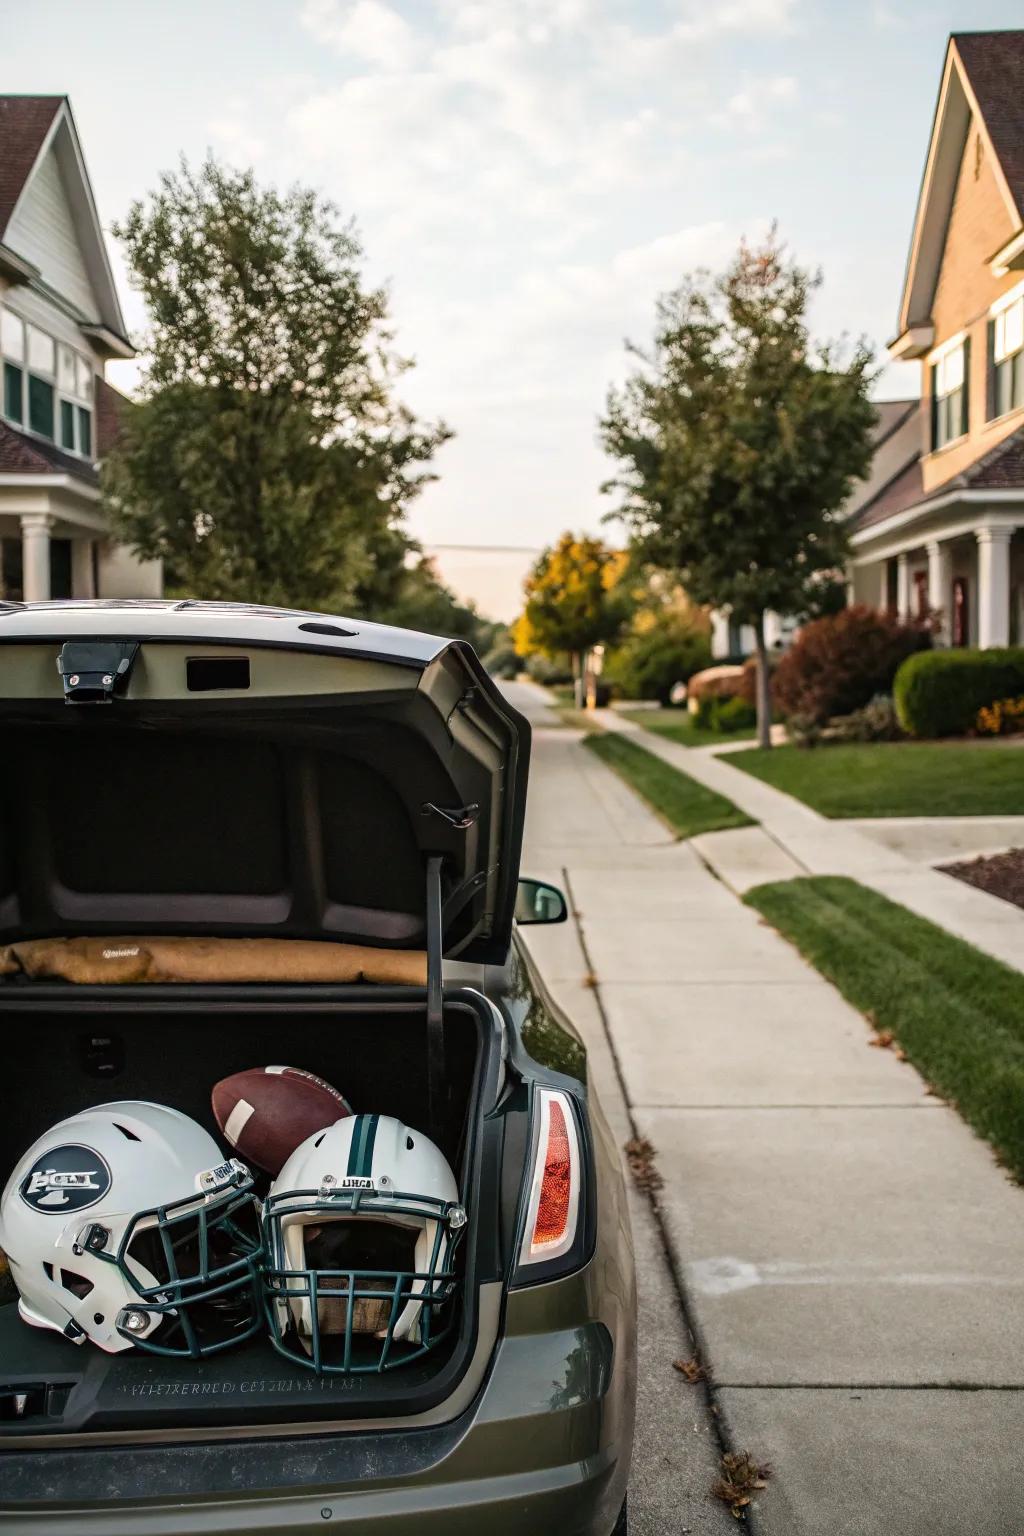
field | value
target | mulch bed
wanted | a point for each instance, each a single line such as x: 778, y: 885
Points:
x: 1000, y: 874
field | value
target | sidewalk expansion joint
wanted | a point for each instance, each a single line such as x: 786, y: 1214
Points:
x: 870, y: 1386
x: 721, y: 1428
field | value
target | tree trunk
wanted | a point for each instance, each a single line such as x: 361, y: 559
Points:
x: 764, y: 687
x: 579, y: 696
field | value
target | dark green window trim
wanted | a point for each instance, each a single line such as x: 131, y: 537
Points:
x: 40, y: 406
x: 85, y: 431
x: 67, y: 425
x: 13, y: 385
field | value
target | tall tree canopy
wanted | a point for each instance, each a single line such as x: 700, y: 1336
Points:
x: 268, y: 459
x: 738, y: 441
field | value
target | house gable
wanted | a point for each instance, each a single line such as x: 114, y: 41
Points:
x: 965, y: 283
x: 966, y: 176
x: 49, y: 226
x: 43, y: 231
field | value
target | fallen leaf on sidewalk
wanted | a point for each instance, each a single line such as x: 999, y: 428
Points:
x: 741, y: 1478
x: 693, y: 1369
x: 590, y: 980
x: 640, y: 1159
x: 883, y: 1039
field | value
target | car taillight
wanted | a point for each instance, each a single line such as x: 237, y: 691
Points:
x: 552, y: 1212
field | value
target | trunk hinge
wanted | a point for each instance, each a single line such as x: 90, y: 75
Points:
x: 435, y: 997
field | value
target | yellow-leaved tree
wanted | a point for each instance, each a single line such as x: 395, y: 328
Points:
x: 576, y: 598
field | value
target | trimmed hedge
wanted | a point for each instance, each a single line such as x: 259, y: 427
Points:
x: 939, y: 693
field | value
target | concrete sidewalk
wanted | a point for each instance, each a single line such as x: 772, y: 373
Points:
x: 852, y: 1257
x: 791, y: 840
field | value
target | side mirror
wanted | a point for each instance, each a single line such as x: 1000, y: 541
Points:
x: 538, y: 902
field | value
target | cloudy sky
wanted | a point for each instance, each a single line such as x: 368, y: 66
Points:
x: 527, y: 175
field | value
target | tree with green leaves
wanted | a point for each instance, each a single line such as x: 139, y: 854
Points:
x: 267, y: 459
x: 575, y: 600
x: 739, y: 440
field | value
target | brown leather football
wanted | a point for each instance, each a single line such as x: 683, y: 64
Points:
x: 265, y: 1112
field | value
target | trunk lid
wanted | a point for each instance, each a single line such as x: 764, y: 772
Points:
x: 201, y: 768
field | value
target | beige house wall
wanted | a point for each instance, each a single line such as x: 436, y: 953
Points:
x: 966, y: 289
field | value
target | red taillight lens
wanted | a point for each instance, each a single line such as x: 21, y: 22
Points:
x: 553, y: 1209
x: 556, y: 1183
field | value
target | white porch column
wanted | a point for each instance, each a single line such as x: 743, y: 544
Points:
x: 940, y: 586
x: 35, y: 555
x: 903, y: 587
x: 994, y: 586
x: 82, y: 584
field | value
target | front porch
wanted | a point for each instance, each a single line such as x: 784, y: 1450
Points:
x: 966, y: 570
x: 54, y: 544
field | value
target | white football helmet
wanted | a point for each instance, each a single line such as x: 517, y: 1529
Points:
x: 361, y: 1227
x: 125, y: 1225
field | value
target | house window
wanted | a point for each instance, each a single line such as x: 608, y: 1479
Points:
x: 949, y: 396
x: 1006, y: 340
x: 47, y: 386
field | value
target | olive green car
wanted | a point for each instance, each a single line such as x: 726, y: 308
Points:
x: 229, y: 772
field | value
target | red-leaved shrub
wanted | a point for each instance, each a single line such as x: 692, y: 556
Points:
x: 839, y: 663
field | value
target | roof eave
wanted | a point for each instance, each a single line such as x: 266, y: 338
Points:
x: 15, y: 268
x: 915, y: 341
x: 108, y: 341
x: 1009, y: 257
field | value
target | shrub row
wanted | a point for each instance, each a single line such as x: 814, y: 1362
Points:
x: 840, y: 663
x: 939, y: 693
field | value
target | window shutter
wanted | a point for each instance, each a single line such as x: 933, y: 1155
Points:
x: 965, y: 418
x: 935, y: 407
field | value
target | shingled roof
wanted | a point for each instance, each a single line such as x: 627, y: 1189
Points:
x: 994, y: 63
x: 24, y: 123
x: 1001, y: 469
x: 24, y: 455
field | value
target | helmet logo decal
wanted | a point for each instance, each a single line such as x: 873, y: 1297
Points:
x: 69, y: 1178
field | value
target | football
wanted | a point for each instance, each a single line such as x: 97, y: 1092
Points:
x: 265, y: 1112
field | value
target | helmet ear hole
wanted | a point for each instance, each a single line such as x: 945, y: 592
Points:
x: 409, y: 1143
x: 78, y: 1285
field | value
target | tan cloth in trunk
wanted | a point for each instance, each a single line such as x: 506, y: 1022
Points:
x: 113, y: 960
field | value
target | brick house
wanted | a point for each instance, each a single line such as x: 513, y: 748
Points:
x: 60, y: 323
x: 939, y: 525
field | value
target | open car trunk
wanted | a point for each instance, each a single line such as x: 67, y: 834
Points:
x: 67, y: 1047
x: 213, y: 772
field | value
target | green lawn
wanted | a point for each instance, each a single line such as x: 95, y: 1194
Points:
x: 957, y: 1014
x: 678, y: 725
x: 896, y: 778
x: 687, y: 806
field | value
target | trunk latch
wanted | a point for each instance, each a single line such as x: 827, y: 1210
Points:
x: 93, y: 671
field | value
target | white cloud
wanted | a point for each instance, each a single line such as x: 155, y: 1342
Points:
x: 363, y: 31
x: 751, y: 107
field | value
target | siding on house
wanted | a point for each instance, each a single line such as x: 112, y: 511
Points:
x: 979, y: 223
x: 43, y: 231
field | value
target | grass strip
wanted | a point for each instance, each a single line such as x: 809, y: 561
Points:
x: 896, y: 778
x: 957, y: 1014
x: 685, y: 805
x: 679, y: 726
